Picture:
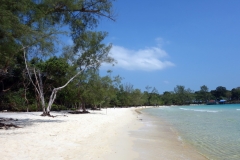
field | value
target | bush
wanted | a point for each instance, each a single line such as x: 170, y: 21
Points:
x: 14, y: 101
x: 32, y: 108
x: 58, y: 107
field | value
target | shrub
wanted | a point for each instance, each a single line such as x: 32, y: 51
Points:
x: 58, y: 107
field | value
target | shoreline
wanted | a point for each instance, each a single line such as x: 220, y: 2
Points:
x: 120, y: 133
x: 164, y: 141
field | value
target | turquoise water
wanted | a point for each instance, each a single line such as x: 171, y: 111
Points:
x: 213, y: 129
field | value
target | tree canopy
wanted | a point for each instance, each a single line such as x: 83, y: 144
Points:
x: 31, y: 29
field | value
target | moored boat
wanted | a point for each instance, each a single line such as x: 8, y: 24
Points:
x: 212, y: 102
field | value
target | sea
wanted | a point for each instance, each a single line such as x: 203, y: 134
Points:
x: 213, y: 130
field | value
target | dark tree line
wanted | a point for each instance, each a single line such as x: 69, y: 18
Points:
x: 182, y: 96
x: 90, y: 90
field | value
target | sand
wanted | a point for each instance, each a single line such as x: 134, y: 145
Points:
x: 112, y: 134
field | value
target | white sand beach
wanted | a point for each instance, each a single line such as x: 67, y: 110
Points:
x: 99, y: 135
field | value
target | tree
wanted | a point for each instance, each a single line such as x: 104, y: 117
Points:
x: 12, y: 79
x: 228, y: 95
x: 167, y: 98
x: 116, y: 86
x: 34, y: 25
x: 235, y: 93
x: 124, y: 94
x: 25, y: 20
x: 182, y: 95
x: 204, y: 94
x: 148, y: 95
x: 154, y: 97
x: 94, y: 53
x: 151, y: 96
x: 137, y: 97
x: 101, y: 90
x: 220, y: 92
x: 108, y: 89
x: 213, y: 94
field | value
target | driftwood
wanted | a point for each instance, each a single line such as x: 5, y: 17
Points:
x: 79, y: 112
x: 49, y: 115
x: 4, y: 125
x: 96, y: 109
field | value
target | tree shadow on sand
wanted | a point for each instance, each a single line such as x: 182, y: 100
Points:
x: 8, y: 123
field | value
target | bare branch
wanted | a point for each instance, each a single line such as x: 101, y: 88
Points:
x: 25, y: 59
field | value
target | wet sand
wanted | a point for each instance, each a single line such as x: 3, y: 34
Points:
x: 158, y: 140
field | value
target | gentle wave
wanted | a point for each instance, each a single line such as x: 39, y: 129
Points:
x: 208, y: 132
x: 198, y: 110
x: 185, y: 109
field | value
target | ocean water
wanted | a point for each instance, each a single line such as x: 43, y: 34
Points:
x: 214, y: 130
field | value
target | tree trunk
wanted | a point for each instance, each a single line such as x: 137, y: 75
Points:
x: 39, y: 87
x: 55, y: 90
x: 83, y: 107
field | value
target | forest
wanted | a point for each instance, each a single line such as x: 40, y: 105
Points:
x: 39, y: 72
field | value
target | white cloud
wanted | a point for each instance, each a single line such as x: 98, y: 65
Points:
x: 148, y: 59
x: 161, y: 42
x: 166, y: 82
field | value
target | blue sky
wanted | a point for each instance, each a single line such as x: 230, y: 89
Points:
x: 164, y: 43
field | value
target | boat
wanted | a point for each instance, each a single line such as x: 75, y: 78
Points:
x: 222, y: 101
x: 212, y: 102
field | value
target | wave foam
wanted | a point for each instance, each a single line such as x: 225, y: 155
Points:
x: 198, y: 110
x: 185, y: 109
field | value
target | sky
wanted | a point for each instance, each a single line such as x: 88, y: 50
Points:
x: 165, y: 43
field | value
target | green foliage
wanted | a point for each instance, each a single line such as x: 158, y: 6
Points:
x: 235, y: 93
x: 168, y: 98
x: 137, y: 98
x: 152, y: 97
x: 14, y: 101
x: 182, y: 95
x: 34, y: 27
x: 220, y: 92
x: 55, y: 71
x: 58, y: 107
x: 203, y: 95
x: 33, y: 108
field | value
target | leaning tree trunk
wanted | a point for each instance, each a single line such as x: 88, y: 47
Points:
x: 54, y: 93
x: 39, y: 87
